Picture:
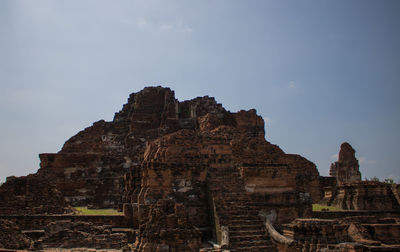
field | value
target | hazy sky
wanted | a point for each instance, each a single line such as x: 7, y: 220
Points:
x: 319, y: 72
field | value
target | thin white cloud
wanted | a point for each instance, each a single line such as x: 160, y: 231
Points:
x: 334, y: 156
x: 187, y: 29
x: 364, y: 160
x: 292, y: 84
x: 166, y: 27
x: 127, y: 21
x: 146, y: 24
x: 141, y: 23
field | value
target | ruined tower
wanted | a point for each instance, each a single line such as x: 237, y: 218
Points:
x: 346, y: 169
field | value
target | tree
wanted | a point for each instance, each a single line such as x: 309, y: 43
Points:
x: 389, y: 181
x: 376, y: 179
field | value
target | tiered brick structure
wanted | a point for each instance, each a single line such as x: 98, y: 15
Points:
x: 346, y: 169
x: 222, y: 173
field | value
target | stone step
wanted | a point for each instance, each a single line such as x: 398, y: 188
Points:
x: 34, y: 234
x: 243, y: 202
x: 241, y: 238
x: 228, y: 221
x: 245, y: 222
x: 214, y: 175
x: 239, y: 215
x: 245, y: 216
x: 225, y: 178
x: 249, y: 227
x: 130, y: 233
x: 266, y: 248
x: 235, y: 206
x: 226, y: 192
x: 257, y: 243
x: 227, y: 189
x: 244, y: 232
x: 236, y: 203
x: 221, y: 175
x: 236, y: 212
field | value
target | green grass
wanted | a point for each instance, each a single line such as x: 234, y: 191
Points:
x: 318, y: 207
x: 86, y: 211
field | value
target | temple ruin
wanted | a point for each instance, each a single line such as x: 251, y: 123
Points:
x: 346, y: 169
x: 192, y: 176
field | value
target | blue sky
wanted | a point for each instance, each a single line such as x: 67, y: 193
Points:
x: 319, y: 72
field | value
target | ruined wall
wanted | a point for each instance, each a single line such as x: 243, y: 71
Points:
x: 31, y: 195
x: 38, y: 222
x: 365, y: 195
x: 362, y: 231
x: 327, y: 187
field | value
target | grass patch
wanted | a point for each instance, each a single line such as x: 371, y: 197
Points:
x: 318, y: 207
x: 86, y: 211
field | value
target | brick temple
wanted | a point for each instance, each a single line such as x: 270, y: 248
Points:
x: 192, y: 176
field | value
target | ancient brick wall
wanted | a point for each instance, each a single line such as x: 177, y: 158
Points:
x: 31, y: 195
x: 365, y: 195
x: 34, y: 222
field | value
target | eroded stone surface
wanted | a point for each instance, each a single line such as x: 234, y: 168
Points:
x: 11, y: 237
x: 67, y: 234
x: 31, y: 194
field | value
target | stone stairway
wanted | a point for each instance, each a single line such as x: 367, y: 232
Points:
x: 236, y: 210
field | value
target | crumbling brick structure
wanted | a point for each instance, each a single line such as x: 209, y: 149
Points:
x: 346, y: 169
x: 186, y: 172
x: 221, y: 171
